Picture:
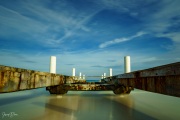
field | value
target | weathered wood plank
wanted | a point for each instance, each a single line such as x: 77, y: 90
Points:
x: 16, y: 79
x: 163, y: 79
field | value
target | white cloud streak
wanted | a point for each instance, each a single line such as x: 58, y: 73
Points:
x: 42, y: 24
x: 119, y: 40
x: 160, y: 22
x: 13, y: 22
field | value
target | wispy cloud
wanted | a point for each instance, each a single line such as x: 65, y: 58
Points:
x: 70, y: 64
x: 165, y: 21
x: 29, y: 61
x: 13, y: 23
x: 119, y: 40
x: 97, y: 66
x: 42, y: 24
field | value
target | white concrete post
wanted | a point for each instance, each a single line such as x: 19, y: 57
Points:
x: 80, y: 75
x: 127, y: 64
x: 83, y: 77
x: 110, y: 72
x: 104, y: 75
x: 53, y: 64
x: 73, y: 72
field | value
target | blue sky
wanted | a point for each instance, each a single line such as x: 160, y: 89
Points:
x: 90, y: 35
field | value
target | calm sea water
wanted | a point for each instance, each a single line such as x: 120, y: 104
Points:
x: 38, y: 104
x: 92, y: 80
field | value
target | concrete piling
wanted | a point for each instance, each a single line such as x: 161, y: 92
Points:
x: 73, y: 72
x: 53, y: 64
x: 80, y: 75
x: 110, y: 72
x: 127, y: 64
x: 104, y: 75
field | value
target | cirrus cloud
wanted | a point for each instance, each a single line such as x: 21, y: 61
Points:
x: 119, y: 40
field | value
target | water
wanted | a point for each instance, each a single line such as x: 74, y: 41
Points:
x: 88, y: 105
x: 92, y: 80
